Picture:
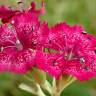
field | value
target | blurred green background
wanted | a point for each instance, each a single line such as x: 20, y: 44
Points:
x: 72, y: 11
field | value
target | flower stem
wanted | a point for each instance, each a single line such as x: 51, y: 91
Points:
x: 56, y: 88
x: 47, y: 86
x: 67, y: 84
x: 35, y: 90
x: 56, y: 94
x: 61, y: 84
x: 40, y: 92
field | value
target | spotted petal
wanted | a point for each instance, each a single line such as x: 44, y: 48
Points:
x: 46, y: 62
x: 17, y: 62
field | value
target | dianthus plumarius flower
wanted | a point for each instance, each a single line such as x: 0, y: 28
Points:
x: 20, y: 37
x: 26, y: 42
x: 13, y: 57
x: 7, y: 13
x: 74, y: 52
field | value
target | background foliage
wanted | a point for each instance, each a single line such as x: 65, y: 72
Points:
x: 72, y: 11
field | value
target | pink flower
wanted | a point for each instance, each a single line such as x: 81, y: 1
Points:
x: 26, y: 42
x: 20, y: 37
x: 47, y: 62
x: 75, y: 49
x: 6, y: 13
x: 13, y: 56
x: 30, y: 30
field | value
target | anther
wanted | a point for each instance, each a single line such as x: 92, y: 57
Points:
x: 1, y: 49
x: 54, y: 63
x: 82, y: 60
x: 84, y: 32
x: 19, y: 45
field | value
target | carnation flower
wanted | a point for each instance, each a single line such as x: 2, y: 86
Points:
x: 13, y: 56
x: 47, y: 62
x: 30, y: 30
x: 70, y: 49
x: 20, y: 37
x: 6, y: 13
x: 74, y: 52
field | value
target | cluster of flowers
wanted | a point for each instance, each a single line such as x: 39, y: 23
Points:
x: 26, y: 42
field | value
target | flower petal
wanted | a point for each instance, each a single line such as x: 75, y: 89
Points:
x: 7, y: 35
x: 81, y: 72
x: 46, y: 62
x: 17, y: 62
x: 7, y: 13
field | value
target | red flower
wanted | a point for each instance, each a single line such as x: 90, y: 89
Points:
x: 30, y: 30
x: 24, y: 41
x: 6, y: 13
x: 19, y: 40
x: 76, y: 52
x: 48, y: 63
x: 13, y: 56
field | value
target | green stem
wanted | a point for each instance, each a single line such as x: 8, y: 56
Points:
x: 40, y: 92
x: 34, y: 88
x: 56, y: 94
x: 55, y: 90
x: 47, y: 86
x: 56, y: 87
x: 67, y: 84
x: 61, y: 84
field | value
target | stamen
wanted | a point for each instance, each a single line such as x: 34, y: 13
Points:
x: 65, y: 56
x: 83, y: 64
x: 33, y: 28
x: 9, y: 47
x: 84, y: 32
x: 17, y: 42
x: 54, y: 63
x: 19, y: 46
x: 95, y: 51
x: 82, y: 60
x: 11, y: 42
x: 70, y: 54
x: 20, y: 5
x: 50, y: 41
x: 66, y: 45
x: 19, y: 2
x: 1, y: 49
x: 12, y: 21
x: 34, y: 42
x: 43, y: 7
x: 57, y: 44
